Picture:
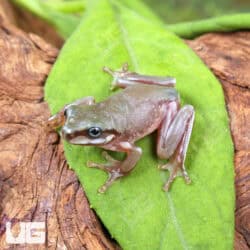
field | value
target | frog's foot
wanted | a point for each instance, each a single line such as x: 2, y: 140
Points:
x: 117, y: 75
x: 175, y: 169
x: 112, y: 167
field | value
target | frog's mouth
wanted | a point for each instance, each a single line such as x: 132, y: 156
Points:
x: 81, y: 138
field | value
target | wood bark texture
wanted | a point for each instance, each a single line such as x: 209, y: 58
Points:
x: 228, y: 56
x: 35, y: 181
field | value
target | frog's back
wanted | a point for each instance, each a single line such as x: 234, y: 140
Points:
x: 137, y: 106
x: 142, y: 92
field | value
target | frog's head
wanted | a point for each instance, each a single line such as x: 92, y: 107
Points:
x: 86, y: 125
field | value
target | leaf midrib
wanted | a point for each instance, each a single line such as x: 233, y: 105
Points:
x: 135, y: 64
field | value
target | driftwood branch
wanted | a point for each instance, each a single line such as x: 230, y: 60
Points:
x: 228, y: 56
x: 35, y: 181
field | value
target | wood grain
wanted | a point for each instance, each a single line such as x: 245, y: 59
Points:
x: 228, y: 56
x: 35, y: 181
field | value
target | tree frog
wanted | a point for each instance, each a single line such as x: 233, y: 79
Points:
x: 146, y: 104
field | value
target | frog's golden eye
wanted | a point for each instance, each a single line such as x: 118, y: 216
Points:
x: 94, y: 132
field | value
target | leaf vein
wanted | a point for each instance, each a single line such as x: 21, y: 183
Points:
x: 175, y: 221
x: 134, y: 60
x: 124, y: 36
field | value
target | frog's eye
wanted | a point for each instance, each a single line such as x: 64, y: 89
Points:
x: 94, y: 132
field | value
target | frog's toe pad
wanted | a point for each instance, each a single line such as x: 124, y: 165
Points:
x: 113, y: 175
x: 175, y: 170
x: 102, y: 189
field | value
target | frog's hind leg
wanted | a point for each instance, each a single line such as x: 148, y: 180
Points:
x: 124, y: 78
x: 174, y: 136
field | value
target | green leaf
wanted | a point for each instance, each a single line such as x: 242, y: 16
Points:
x: 72, y: 6
x: 135, y: 210
x: 56, y: 13
x: 217, y: 24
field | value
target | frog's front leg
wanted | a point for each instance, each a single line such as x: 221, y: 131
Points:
x: 124, y: 78
x: 173, y: 140
x: 115, y: 168
x: 58, y: 119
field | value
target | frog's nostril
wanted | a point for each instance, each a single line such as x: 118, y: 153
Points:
x: 66, y: 131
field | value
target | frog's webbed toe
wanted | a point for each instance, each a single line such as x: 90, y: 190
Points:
x: 112, y: 167
x: 175, y: 169
x: 113, y: 175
